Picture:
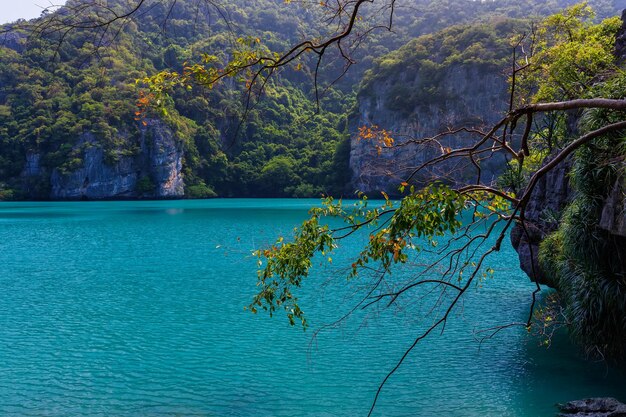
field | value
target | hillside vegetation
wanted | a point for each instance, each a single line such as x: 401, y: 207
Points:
x: 58, y: 99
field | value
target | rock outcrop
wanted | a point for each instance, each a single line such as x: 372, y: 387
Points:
x: 32, y: 167
x: 613, y: 218
x: 163, y: 158
x: 154, y: 172
x: 96, y: 180
x: 593, y: 407
x: 620, y: 41
x: 471, y: 96
x: 551, y: 195
x: 13, y: 40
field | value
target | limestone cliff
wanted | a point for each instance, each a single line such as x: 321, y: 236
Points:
x: 153, y: 172
x: 13, y: 40
x: 613, y: 218
x: 425, y: 88
x: 552, y: 193
x: 475, y: 97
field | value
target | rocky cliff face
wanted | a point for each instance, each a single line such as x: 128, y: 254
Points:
x: 32, y: 168
x: 155, y: 172
x: 471, y: 95
x: 620, y: 41
x: 163, y: 158
x: 552, y: 195
x: 613, y: 218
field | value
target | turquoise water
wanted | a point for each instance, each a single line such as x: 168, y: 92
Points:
x: 136, y: 309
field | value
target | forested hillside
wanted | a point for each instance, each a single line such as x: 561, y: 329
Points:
x: 69, y: 123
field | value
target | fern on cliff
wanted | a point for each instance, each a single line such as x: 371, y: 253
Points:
x: 587, y: 261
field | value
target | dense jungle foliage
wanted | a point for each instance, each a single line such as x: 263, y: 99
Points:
x: 586, y: 261
x: 52, y: 93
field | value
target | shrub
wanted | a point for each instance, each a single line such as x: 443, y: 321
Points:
x: 199, y: 191
x: 145, y: 186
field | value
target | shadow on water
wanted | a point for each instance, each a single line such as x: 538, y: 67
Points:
x: 560, y: 373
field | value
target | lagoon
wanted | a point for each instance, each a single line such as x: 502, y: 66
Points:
x: 137, y: 309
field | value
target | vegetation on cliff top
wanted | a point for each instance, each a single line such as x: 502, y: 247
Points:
x: 52, y: 93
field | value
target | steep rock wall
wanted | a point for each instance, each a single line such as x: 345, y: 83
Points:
x: 13, y: 40
x: 620, y: 41
x: 158, y: 162
x: 95, y: 179
x: 163, y: 154
x: 471, y: 95
x: 551, y: 195
x: 613, y: 218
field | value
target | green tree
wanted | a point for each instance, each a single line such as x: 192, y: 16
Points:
x: 463, y: 223
x: 566, y: 62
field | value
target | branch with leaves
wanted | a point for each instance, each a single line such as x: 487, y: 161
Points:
x: 399, y: 232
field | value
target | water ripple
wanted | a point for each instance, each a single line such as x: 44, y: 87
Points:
x: 136, y: 309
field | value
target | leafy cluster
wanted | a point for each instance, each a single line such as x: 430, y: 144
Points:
x: 396, y: 233
x: 572, y: 52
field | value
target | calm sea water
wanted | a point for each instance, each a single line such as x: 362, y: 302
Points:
x: 136, y: 309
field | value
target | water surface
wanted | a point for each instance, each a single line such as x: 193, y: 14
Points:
x: 136, y: 309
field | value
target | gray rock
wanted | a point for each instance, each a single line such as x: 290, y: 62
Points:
x: 13, y: 40
x: 620, y: 41
x: 160, y: 160
x: 593, y: 407
x: 475, y: 97
x: 613, y: 218
x: 164, y: 159
x: 96, y: 180
x: 550, y: 196
x: 525, y: 241
x: 32, y: 168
